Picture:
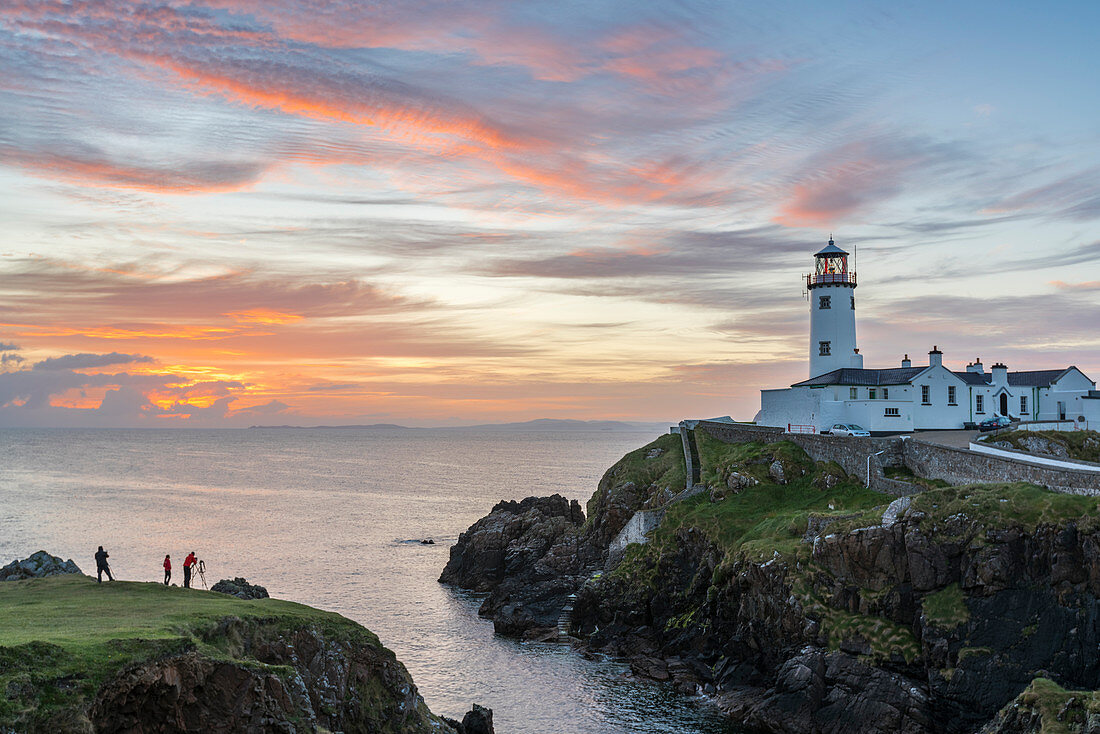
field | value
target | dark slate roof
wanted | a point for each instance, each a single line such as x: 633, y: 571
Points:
x: 974, y: 378
x: 851, y: 376
x: 1035, y: 378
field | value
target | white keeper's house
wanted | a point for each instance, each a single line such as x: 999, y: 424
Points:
x: 908, y: 397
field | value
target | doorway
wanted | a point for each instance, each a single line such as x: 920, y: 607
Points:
x: 1004, y: 403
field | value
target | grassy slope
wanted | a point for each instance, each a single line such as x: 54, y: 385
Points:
x: 769, y: 518
x: 652, y: 476
x: 1062, y: 711
x: 1081, y: 445
x: 71, y: 629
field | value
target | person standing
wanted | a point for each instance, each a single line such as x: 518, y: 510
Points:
x: 188, y: 564
x: 101, y: 566
x: 167, y: 569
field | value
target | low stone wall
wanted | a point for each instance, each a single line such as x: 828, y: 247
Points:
x: 954, y: 465
x: 1030, y: 458
x: 848, y: 451
x: 960, y: 466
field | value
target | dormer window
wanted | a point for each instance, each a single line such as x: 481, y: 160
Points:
x: 825, y: 302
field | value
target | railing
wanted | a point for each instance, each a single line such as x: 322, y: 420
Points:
x: 795, y: 428
x: 822, y: 278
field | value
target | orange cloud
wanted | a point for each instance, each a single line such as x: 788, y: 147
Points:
x: 264, y: 316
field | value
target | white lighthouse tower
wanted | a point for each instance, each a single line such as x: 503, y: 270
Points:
x: 832, y: 312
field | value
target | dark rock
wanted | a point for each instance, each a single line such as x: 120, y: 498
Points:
x: 240, y: 588
x: 478, y: 720
x: 38, y: 565
x: 529, y: 556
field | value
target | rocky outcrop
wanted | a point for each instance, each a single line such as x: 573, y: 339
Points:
x: 325, y: 684
x: 38, y: 565
x: 528, y: 556
x: 240, y: 588
x: 912, y: 626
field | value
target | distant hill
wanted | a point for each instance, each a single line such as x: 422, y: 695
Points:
x: 562, y: 424
x: 540, y: 424
x: 372, y: 425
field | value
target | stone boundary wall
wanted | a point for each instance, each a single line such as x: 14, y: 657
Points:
x: 849, y: 452
x: 961, y: 466
x: 953, y: 465
x: 1027, y: 456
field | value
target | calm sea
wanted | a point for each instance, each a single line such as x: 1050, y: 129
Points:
x: 332, y: 518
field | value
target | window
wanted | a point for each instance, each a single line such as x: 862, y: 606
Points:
x: 853, y: 303
x: 979, y: 403
x: 951, y: 395
x: 823, y: 349
x: 925, y: 395
x: 892, y: 412
x: 885, y: 393
x: 853, y: 393
x: 1023, y: 405
x: 825, y: 302
x: 871, y: 394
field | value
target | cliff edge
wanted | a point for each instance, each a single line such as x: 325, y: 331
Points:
x: 77, y: 656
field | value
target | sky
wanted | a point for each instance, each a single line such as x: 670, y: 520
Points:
x: 237, y: 212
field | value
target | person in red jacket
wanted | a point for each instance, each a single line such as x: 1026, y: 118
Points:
x: 167, y: 569
x: 188, y: 564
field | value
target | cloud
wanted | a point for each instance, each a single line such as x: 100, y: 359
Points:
x: 89, y: 361
x: 8, y: 347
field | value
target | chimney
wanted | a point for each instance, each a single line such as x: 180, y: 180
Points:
x: 906, y: 362
x: 857, y: 359
x: 935, y: 357
x: 1000, y: 374
x: 976, y: 366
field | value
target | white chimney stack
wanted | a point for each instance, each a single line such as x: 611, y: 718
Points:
x: 935, y: 357
x: 906, y: 362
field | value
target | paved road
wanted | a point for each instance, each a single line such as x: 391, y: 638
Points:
x: 958, y: 439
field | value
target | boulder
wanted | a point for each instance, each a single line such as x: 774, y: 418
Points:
x: 1044, y: 446
x: 777, y: 472
x: 240, y: 588
x: 39, y: 565
x: 738, y: 482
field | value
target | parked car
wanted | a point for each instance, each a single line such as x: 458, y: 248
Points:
x: 992, y: 424
x: 849, y: 429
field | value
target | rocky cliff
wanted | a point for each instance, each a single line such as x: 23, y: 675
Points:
x: 804, y: 603
x: 76, y: 656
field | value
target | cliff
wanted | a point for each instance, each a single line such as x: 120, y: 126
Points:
x: 802, y: 602
x: 78, y: 656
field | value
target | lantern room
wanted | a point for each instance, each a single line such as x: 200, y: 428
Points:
x: 831, y: 268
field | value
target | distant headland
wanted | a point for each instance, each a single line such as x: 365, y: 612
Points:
x: 540, y: 424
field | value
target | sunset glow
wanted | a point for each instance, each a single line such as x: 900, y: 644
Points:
x: 231, y: 212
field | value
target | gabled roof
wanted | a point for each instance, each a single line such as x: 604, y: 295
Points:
x: 973, y: 378
x: 852, y: 376
x: 1036, y: 378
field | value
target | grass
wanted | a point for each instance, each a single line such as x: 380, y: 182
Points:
x: 973, y: 508
x: 904, y: 474
x: 946, y: 608
x: 1081, y: 445
x: 1059, y: 714
x: 650, y: 475
x: 62, y: 637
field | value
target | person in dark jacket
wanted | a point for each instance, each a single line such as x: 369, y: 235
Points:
x: 188, y: 564
x: 101, y: 566
x: 167, y: 569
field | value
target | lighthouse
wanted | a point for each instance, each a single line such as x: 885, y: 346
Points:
x: 832, y: 312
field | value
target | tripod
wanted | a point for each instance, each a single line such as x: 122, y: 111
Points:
x: 201, y: 568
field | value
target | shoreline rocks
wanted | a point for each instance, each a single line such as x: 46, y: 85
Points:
x: 240, y: 588
x: 36, y: 566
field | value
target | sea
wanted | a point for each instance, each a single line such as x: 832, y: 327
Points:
x: 333, y: 518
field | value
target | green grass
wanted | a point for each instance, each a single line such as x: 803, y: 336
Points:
x: 1053, y: 703
x: 62, y: 637
x: 904, y: 474
x: 946, y: 608
x: 649, y: 475
x: 973, y: 508
x: 1081, y: 445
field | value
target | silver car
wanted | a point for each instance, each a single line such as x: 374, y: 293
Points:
x: 849, y: 429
